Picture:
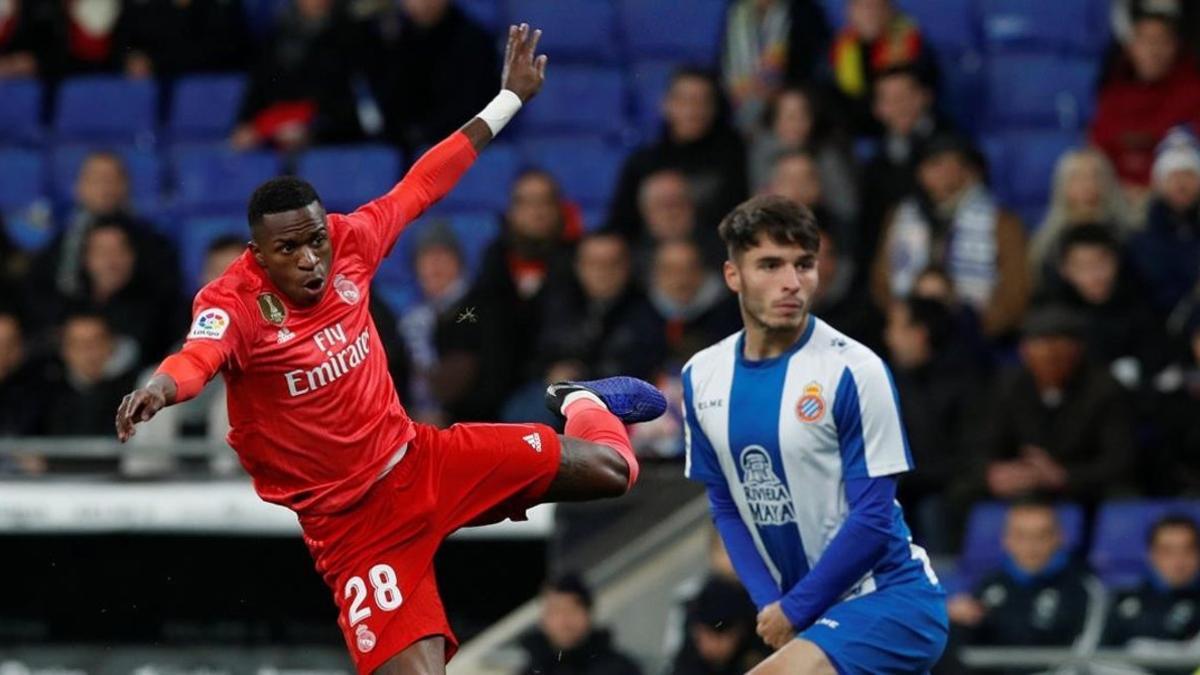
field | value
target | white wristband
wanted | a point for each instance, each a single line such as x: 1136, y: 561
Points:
x: 502, y: 108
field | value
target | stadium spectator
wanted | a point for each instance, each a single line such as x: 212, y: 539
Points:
x: 666, y: 206
x: 1154, y: 86
x: 489, y: 353
x: 24, y: 37
x: 94, y: 377
x: 799, y: 119
x: 440, y: 273
x: 770, y: 43
x: 22, y: 387
x: 955, y: 223
x: 435, y: 67
x: 938, y: 384
x: 1085, y: 191
x: 903, y: 104
x: 1163, y: 607
x: 797, y: 176
x: 720, y: 637
x: 1038, y: 597
x: 1186, y: 16
x: 567, y: 642
x: 1058, y: 424
x: 693, y: 302
x: 1123, y: 333
x: 1166, y: 254
x: 1175, y: 470
x: 599, y: 324
x: 875, y: 38
x: 300, y: 90
x: 85, y: 36
x: 698, y: 140
x: 168, y: 39
x: 59, y: 271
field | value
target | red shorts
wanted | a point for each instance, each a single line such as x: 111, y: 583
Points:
x: 377, y: 556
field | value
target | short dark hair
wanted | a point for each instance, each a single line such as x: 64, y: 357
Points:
x: 906, y: 69
x: 781, y: 219
x: 1088, y: 234
x: 284, y: 193
x: 571, y: 583
x: 1036, y: 502
x: 1173, y: 520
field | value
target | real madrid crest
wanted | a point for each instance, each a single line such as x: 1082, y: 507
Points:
x: 811, y: 406
x: 272, y: 308
x: 346, y: 289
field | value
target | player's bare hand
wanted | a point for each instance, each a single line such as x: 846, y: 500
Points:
x: 965, y: 610
x: 142, y: 404
x: 774, y: 627
x: 524, y: 70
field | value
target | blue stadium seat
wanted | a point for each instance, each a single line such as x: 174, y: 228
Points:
x: 650, y: 81
x: 262, y: 14
x: 1040, y: 91
x: 581, y: 99
x: 196, y: 233
x: 962, y: 87
x: 586, y: 167
x: 212, y: 178
x: 685, y: 30
x: 1118, y: 552
x: 1078, y: 26
x: 22, y: 178
x: 106, y: 109
x: 835, y: 12
x: 486, y: 185
x: 1021, y: 165
x: 982, y: 549
x: 144, y: 167
x: 487, y: 13
x: 20, y: 112
x: 945, y: 25
x: 347, y: 177
x: 205, y: 107
x: 582, y: 30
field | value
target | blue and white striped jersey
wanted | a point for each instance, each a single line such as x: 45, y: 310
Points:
x: 784, y: 434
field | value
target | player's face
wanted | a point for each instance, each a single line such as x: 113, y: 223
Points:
x: 775, y: 283
x: 1175, y: 556
x: 1031, y: 538
x: 293, y: 246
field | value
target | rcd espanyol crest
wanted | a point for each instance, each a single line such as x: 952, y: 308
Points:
x: 768, y: 498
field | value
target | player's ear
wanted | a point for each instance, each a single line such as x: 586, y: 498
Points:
x: 258, y: 254
x: 732, y: 278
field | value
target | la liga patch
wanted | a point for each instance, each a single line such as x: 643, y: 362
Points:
x: 209, y: 323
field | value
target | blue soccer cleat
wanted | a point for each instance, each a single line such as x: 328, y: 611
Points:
x: 630, y: 399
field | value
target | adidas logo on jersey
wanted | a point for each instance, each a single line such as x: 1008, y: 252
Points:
x: 534, y: 441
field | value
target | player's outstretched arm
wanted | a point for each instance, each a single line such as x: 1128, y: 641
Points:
x: 143, y: 403
x: 521, y: 80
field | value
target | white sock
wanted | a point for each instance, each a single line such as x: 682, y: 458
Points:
x: 579, y: 395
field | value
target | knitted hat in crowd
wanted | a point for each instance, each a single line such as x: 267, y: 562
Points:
x: 1177, y: 152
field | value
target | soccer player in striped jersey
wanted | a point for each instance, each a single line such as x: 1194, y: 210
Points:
x: 795, y: 430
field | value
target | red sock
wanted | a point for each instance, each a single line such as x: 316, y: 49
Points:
x: 593, y: 422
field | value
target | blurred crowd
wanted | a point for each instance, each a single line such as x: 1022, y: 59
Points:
x: 1055, y: 355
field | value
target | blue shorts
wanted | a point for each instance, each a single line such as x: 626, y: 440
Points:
x: 900, y: 630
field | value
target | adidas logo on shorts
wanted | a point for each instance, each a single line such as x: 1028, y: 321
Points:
x: 534, y: 441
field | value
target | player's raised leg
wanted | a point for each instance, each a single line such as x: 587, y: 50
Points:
x: 798, y: 657
x: 597, y: 458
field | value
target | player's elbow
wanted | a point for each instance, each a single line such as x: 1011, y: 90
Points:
x: 610, y: 473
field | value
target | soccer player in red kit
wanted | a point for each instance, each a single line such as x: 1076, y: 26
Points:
x: 318, y: 425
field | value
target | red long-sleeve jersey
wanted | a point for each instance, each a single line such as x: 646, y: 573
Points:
x: 314, y: 415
